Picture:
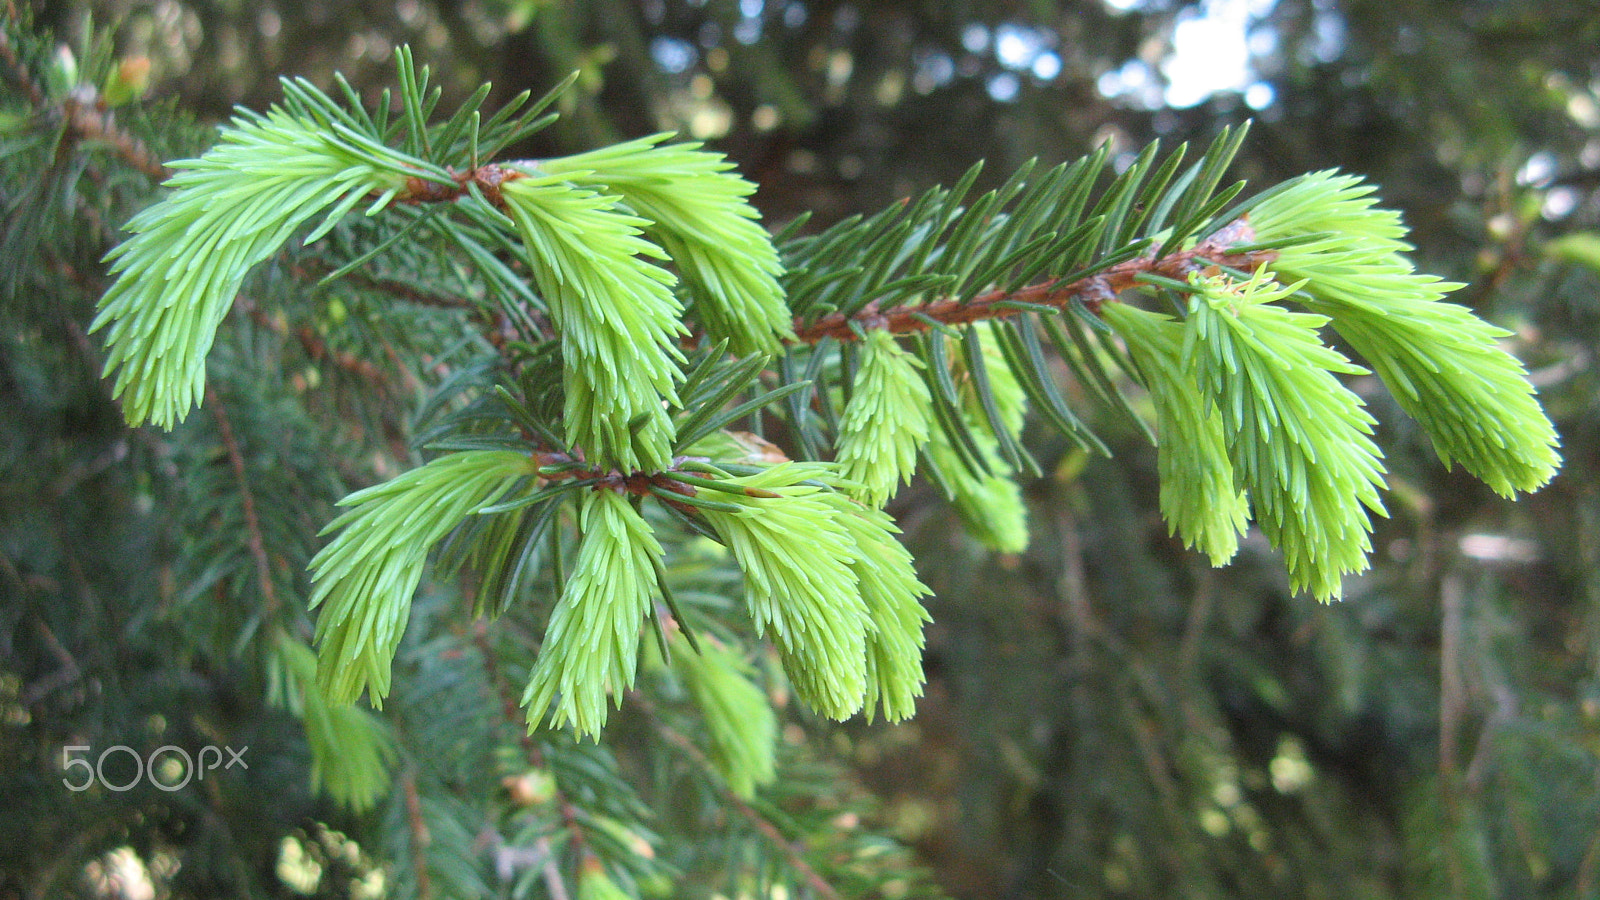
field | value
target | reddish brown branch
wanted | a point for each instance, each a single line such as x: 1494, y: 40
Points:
x: 487, y: 178
x: 410, y: 292
x: 312, y: 343
x: 667, y: 486
x: 420, y: 838
x: 8, y: 53
x: 1091, y: 291
x: 252, y: 524
x: 89, y: 120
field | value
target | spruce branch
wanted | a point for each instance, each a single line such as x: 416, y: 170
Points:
x: 889, y: 585
x: 688, y: 201
x: 886, y: 421
x: 626, y: 313
x: 591, y: 646
x: 247, y: 499
x: 696, y: 208
x: 1199, y: 497
x: 616, y: 313
x: 657, y: 303
x: 1090, y: 290
x: 88, y: 119
x: 367, y: 575
x: 807, y: 599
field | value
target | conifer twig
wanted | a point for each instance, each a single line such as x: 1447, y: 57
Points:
x: 312, y: 270
x: 420, y: 838
x: 487, y: 178
x: 247, y: 498
x: 88, y: 120
x: 30, y: 88
x: 756, y: 819
x: 1092, y: 291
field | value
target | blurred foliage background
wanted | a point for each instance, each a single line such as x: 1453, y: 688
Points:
x: 1106, y: 716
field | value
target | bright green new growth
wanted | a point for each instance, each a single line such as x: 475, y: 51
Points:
x: 826, y: 576
x: 591, y: 647
x: 1199, y: 498
x: 230, y: 209
x: 800, y: 586
x: 989, y: 505
x: 351, y: 750
x: 1441, y: 362
x: 671, y: 325
x: 1298, y: 439
x: 739, y: 718
x: 886, y: 421
x: 365, y: 577
x: 616, y: 313
x: 1250, y: 411
x: 595, y: 884
x: 697, y: 208
x: 889, y: 585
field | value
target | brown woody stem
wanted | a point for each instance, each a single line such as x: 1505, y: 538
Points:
x: 487, y: 178
x: 1092, y: 291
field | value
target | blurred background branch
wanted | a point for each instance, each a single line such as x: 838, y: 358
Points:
x: 1105, y: 716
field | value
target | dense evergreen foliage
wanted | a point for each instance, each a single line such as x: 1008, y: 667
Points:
x: 527, y: 500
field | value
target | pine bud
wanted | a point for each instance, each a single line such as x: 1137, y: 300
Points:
x: 127, y: 81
